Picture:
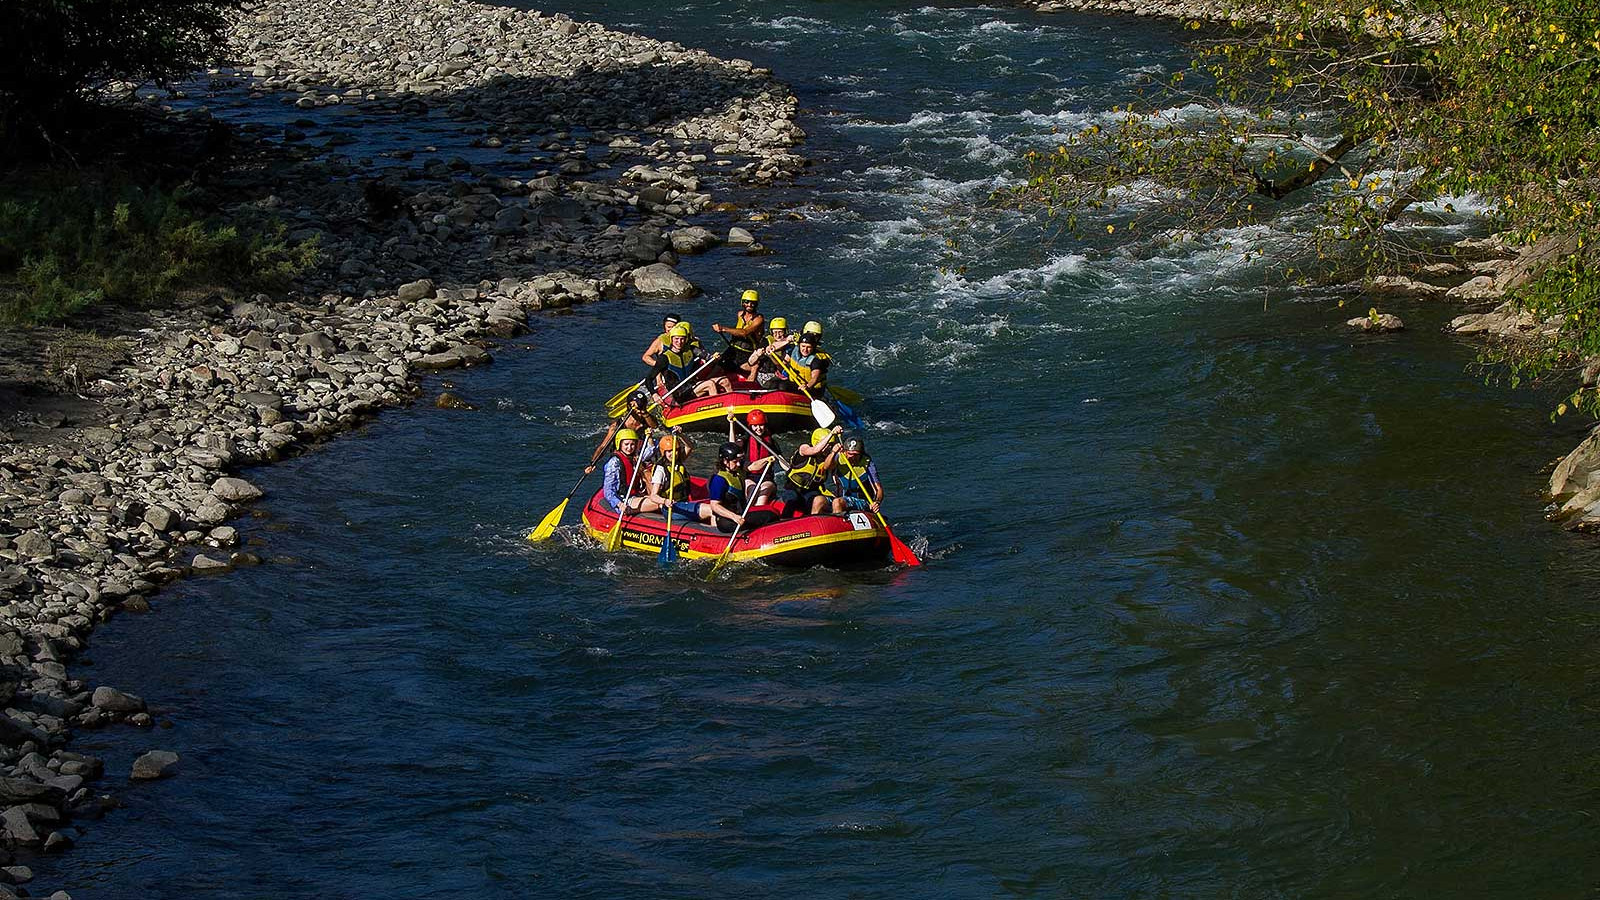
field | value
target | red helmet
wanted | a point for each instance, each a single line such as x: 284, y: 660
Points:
x: 756, y: 417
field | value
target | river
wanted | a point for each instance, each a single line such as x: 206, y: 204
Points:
x: 1220, y: 599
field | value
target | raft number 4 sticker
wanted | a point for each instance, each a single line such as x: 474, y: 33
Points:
x: 860, y: 522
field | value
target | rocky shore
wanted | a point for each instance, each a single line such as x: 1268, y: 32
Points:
x: 529, y: 162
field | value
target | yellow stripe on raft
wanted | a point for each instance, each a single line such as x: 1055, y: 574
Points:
x: 743, y: 555
x: 721, y: 412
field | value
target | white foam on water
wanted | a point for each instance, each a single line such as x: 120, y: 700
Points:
x: 798, y: 23
x: 875, y: 357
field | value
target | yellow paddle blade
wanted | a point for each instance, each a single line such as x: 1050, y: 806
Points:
x: 548, y: 525
x: 614, y: 539
x: 845, y: 394
x: 621, y: 397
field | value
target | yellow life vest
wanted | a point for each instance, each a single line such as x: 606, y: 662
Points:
x: 846, y: 476
x: 800, y: 367
x: 747, y: 344
x: 804, y: 471
x: 679, y: 364
x: 677, y: 487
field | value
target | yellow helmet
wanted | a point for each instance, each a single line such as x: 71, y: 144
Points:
x: 812, y: 327
x: 625, y: 434
x: 682, y: 330
x: 779, y: 323
x: 751, y: 296
x: 818, y: 435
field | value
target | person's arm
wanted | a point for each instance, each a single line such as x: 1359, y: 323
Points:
x: 819, y: 372
x: 658, y: 479
x: 613, y: 483
x: 651, y: 352
x: 601, y: 447
x: 875, y: 499
x: 726, y: 513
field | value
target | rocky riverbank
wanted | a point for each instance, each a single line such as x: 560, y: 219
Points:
x: 526, y: 162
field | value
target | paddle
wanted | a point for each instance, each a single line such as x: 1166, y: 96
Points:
x: 620, y: 397
x: 547, y: 525
x: 614, y: 409
x: 820, y: 411
x: 669, y: 549
x: 614, y: 539
x: 902, y: 553
x: 749, y: 502
x: 844, y: 394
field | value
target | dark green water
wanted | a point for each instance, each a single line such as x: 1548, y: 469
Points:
x: 1220, y: 600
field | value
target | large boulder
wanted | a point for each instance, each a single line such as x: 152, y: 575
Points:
x: 416, y: 290
x: 693, y: 239
x: 659, y: 280
x: 235, y: 490
x: 644, y: 244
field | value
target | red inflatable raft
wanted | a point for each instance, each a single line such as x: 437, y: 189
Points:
x: 786, y: 410
x: 853, y: 540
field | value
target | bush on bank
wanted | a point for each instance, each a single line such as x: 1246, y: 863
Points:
x: 1359, y: 112
x: 56, y: 56
x: 70, y: 239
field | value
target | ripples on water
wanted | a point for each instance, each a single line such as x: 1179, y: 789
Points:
x: 1221, y: 601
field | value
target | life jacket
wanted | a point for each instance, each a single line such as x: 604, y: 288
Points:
x: 626, y: 488
x: 844, y: 484
x: 747, y: 344
x: 800, y: 366
x: 677, y: 481
x: 680, y: 364
x: 753, y: 451
x: 803, y: 471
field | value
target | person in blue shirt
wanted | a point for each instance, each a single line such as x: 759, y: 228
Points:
x: 726, y: 495
x: 843, y: 470
x: 620, y: 472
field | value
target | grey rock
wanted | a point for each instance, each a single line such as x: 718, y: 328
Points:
x: 16, y: 874
x: 113, y: 700
x: 153, y: 765
x: 204, y: 563
x: 235, y: 490
x: 659, y: 280
x: 57, y: 842
x: 160, y: 518
x: 17, y: 826
x: 25, y: 790
x: 14, y: 732
x: 738, y: 237
x: 34, y: 545
x: 644, y: 244
x: 211, y: 512
x: 416, y: 290
x: 317, y: 344
x: 1479, y: 288
x: 693, y: 239
x: 1381, y: 324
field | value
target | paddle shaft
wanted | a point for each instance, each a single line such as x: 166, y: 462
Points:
x: 668, y: 549
x: 623, y: 512
x: 748, y: 503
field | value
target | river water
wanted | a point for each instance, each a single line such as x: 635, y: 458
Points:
x: 1219, y: 600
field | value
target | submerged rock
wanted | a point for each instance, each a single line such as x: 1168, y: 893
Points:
x: 153, y: 765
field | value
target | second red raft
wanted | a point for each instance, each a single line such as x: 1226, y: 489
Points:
x: 852, y: 540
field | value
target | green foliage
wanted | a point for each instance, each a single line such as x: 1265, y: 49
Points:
x: 1354, y: 111
x: 54, y: 53
x: 67, y: 242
